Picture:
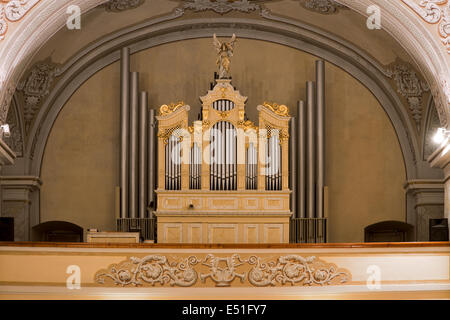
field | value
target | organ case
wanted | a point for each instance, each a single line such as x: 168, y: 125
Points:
x: 223, y: 179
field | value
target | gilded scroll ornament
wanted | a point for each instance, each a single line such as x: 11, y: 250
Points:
x: 165, y: 109
x: 280, y: 110
x: 247, y: 125
x: 223, y: 271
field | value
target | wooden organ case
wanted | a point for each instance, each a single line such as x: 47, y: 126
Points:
x: 223, y: 179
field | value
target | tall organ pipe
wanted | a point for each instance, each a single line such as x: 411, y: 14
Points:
x: 134, y: 105
x: 151, y: 160
x: 143, y: 143
x: 124, y: 129
x: 311, y: 150
x: 320, y: 98
x: 301, y: 173
x: 293, y: 161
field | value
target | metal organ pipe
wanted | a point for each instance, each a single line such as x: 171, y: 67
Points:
x: 151, y: 155
x: 301, y: 173
x: 124, y: 129
x: 320, y: 99
x: 311, y: 150
x: 134, y: 104
x: 293, y: 164
x: 143, y: 105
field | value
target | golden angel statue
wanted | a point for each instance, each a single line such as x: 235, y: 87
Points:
x: 224, y: 52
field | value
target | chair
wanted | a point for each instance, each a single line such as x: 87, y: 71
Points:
x: 389, y: 231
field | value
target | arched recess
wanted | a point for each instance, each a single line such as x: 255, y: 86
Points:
x: 47, y: 17
x: 147, y: 35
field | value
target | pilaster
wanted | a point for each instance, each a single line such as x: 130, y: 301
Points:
x: 429, y: 204
x: 18, y: 202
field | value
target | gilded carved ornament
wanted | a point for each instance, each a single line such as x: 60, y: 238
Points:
x: 165, y: 109
x: 222, y: 271
x: 280, y: 110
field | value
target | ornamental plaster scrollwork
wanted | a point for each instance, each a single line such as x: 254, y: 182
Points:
x: 434, y: 11
x: 222, y: 271
x: 122, y: 5
x: 221, y: 6
x: 322, y: 6
x: 151, y: 270
x: 35, y: 87
x: 12, y: 11
x: 412, y: 88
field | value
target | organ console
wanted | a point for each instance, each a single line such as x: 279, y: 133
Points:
x: 223, y: 178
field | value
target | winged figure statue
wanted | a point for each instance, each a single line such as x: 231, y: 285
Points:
x: 224, y: 52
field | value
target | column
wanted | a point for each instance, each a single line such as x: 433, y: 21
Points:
x: 18, y: 195
x: 428, y: 198
x: 441, y: 159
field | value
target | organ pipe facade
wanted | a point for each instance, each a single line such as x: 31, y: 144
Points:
x: 223, y: 179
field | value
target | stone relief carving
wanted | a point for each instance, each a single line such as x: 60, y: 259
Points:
x: 13, y: 10
x: 222, y: 271
x: 35, y: 87
x: 412, y: 88
x: 122, y: 5
x: 152, y: 269
x: 4, y: 106
x: 322, y: 6
x: 221, y: 6
x: 434, y: 11
x: 15, y: 141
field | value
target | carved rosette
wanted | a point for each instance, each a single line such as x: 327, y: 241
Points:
x: 223, y: 271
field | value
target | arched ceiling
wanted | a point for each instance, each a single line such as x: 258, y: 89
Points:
x: 347, y: 27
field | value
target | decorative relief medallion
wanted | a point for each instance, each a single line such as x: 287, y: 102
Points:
x: 36, y: 87
x: 322, y: 6
x: 221, y: 6
x: 223, y: 271
x: 12, y: 11
x: 165, y: 109
x: 412, y: 88
x: 122, y: 5
x: 280, y: 110
x: 434, y: 11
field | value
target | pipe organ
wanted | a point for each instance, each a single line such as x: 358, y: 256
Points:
x: 223, y: 179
